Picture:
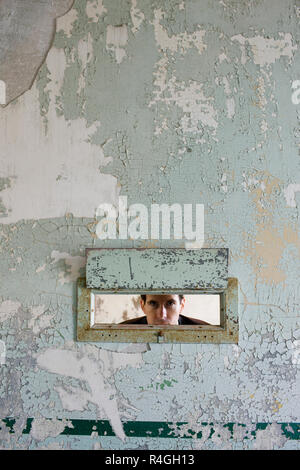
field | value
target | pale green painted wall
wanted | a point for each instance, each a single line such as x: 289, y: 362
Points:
x: 192, y: 103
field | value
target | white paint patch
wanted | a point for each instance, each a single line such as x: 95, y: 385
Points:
x: 2, y: 353
x: 226, y: 86
x: 289, y: 194
x: 53, y: 446
x: 221, y: 438
x: 223, y: 57
x: 180, y: 42
x: 226, y: 362
x: 260, y: 91
x: 48, y: 171
x: 269, y: 438
x: 224, y: 186
x: 134, y: 348
x: 236, y: 350
x: 264, y: 126
x: 296, y: 352
x: 197, y: 108
x: 85, y: 53
x: 137, y: 16
x: 40, y: 320
x: 249, y: 183
x: 160, y: 79
x: 65, y: 22
x: 73, y: 398
x: 116, y: 40
x: 41, y: 268
x: 42, y: 428
x: 266, y: 50
x: 85, y: 49
x: 73, y: 263
x: 94, y: 9
x: 8, y: 308
x: 163, y: 126
x: 37, y: 310
x: 92, y: 366
x: 230, y: 105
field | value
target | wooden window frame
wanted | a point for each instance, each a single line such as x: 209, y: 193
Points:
x: 227, y: 288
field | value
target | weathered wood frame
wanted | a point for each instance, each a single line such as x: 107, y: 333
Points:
x: 215, y: 282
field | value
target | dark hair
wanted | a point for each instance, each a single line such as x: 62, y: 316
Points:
x: 179, y: 295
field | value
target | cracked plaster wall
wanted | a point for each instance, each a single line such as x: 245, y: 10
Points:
x: 162, y: 101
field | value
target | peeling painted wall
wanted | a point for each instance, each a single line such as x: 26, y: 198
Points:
x: 162, y: 101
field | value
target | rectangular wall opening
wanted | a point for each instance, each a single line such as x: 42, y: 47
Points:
x: 119, y: 308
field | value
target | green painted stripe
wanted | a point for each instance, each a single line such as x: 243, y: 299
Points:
x: 85, y: 427
x: 9, y: 422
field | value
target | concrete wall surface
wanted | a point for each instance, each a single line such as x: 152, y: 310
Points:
x: 162, y: 101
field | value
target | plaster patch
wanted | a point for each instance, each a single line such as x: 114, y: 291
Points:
x: 296, y: 352
x: 41, y: 268
x: 74, y: 264
x: 264, y: 126
x: 39, y: 318
x: 72, y: 398
x: 269, y: 438
x: 260, y: 91
x: 65, y: 23
x: 230, y: 105
x: 94, y: 9
x: 93, y: 367
x: 265, y: 251
x: 8, y: 308
x: 269, y: 248
x: 266, y: 51
x: 221, y: 437
x: 226, y: 86
x: 72, y: 364
x: 27, y: 30
x: 37, y: 192
x: 223, y: 57
x: 116, y: 40
x: 137, y: 16
x: 42, y: 428
x: 85, y: 49
x: 180, y: 42
x: 136, y: 348
x: 85, y: 53
x: 197, y: 108
x: 289, y: 194
x: 68, y: 180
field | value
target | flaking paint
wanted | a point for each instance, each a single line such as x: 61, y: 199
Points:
x: 199, y: 90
